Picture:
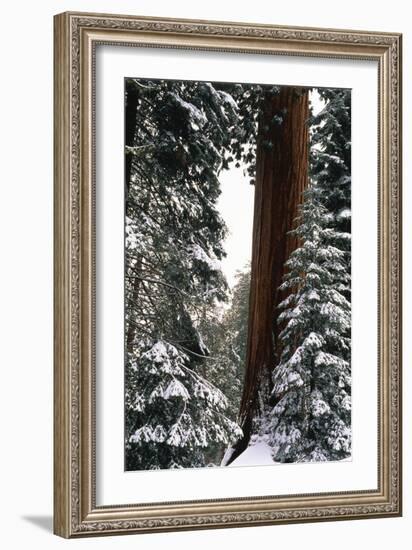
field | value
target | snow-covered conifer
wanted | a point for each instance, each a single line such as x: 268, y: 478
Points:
x: 330, y: 158
x: 174, y: 244
x: 310, y: 419
x: 174, y: 414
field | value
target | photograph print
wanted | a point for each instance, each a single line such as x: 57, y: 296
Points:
x: 237, y: 274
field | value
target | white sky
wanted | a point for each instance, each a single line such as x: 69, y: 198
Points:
x: 235, y: 205
x: 315, y: 101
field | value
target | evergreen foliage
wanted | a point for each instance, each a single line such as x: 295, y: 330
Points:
x: 174, y: 237
x: 311, y: 416
x: 227, y: 336
x: 330, y: 159
x: 177, y: 413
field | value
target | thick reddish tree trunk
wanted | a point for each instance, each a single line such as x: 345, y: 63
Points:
x: 281, y: 176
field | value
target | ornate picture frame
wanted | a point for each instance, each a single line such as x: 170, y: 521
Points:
x: 76, y: 510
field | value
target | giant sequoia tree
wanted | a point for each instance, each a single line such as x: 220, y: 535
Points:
x: 281, y: 176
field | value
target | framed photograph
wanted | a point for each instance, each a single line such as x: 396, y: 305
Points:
x: 227, y: 274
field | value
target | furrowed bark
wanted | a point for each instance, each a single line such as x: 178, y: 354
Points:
x: 281, y: 176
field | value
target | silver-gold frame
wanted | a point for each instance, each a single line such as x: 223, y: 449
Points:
x: 76, y: 36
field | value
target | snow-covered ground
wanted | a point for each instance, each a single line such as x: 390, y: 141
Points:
x: 258, y: 454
